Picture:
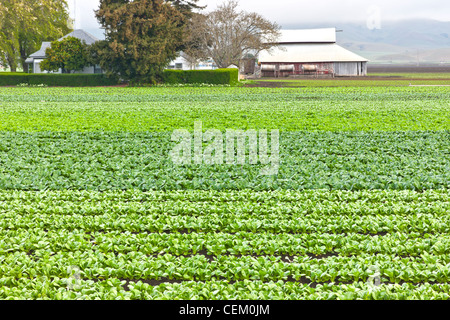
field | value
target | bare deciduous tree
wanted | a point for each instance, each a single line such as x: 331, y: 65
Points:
x: 194, y: 50
x: 226, y: 35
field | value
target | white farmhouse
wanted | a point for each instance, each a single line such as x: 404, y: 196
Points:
x: 35, y: 59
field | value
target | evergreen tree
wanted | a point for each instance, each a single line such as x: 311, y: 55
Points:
x: 142, y: 36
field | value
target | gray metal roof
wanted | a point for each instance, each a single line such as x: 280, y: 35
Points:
x: 298, y: 53
x: 40, y: 54
x: 82, y: 35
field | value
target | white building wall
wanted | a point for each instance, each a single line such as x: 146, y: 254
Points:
x: 346, y: 68
x: 181, y: 63
x: 350, y: 68
x: 37, y: 66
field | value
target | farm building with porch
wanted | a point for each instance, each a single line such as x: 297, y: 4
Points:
x: 310, y: 52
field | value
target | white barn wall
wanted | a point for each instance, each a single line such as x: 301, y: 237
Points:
x: 350, y: 68
x: 346, y: 69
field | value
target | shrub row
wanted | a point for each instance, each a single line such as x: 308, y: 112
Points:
x: 62, y: 80
x: 219, y: 76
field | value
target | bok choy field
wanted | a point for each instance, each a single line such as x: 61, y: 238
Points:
x: 93, y: 207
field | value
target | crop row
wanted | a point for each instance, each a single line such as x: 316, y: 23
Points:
x: 212, y: 244
x: 164, y: 109
x: 137, y: 266
x: 309, y: 160
x: 219, y: 94
x: 423, y: 223
x: 116, y: 289
x: 307, y: 208
x: 310, y: 199
x: 285, y: 115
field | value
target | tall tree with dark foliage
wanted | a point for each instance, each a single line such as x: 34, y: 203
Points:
x: 142, y: 36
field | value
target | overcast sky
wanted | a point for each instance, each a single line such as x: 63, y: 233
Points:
x: 289, y: 12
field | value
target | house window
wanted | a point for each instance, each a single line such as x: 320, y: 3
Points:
x: 178, y: 66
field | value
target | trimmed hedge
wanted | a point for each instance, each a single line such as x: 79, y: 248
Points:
x: 60, y: 80
x: 219, y: 76
x: 13, y: 79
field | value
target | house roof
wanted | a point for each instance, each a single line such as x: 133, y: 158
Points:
x: 298, y: 53
x: 40, y: 54
x: 82, y: 35
x: 324, y: 35
x: 78, y: 33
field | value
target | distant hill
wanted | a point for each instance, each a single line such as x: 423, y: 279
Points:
x: 408, y: 41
